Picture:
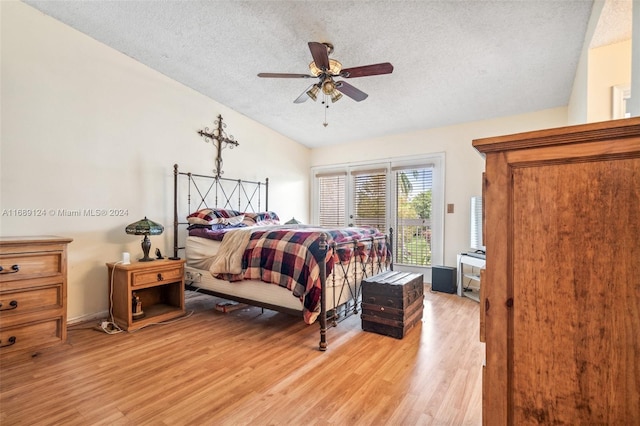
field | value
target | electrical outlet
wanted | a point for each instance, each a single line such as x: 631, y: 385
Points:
x: 193, y: 277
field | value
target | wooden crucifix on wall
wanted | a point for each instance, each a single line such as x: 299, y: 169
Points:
x: 218, y: 138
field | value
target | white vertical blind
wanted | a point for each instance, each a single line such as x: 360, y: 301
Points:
x: 332, y: 200
x: 370, y: 199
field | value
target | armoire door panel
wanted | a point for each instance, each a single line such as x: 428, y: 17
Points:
x: 576, y: 297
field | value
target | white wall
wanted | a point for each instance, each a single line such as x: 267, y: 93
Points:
x: 608, y: 66
x: 463, y: 164
x: 633, y: 105
x: 86, y: 127
x: 577, y: 108
x: 598, y: 70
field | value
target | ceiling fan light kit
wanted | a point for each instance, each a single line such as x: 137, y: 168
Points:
x: 326, y: 70
x: 335, y: 96
x: 312, y: 93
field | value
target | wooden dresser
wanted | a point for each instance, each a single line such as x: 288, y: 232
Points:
x: 560, y: 302
x: 33, y: 293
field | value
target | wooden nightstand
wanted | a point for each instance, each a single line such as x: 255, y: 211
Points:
x: 158, y: 285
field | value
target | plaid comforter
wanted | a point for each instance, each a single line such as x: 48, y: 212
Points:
x: 289, y: 256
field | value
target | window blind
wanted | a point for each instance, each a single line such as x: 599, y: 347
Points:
x: 476, y: 240
x: 370, y: 199
x: 332, y: 200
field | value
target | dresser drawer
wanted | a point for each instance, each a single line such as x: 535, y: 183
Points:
x: 23, y: 266
x: 157, y: 276
x: 14, y: 303
x: 30, y: 336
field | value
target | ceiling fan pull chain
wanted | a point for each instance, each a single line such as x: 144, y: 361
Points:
x: 326, y: 107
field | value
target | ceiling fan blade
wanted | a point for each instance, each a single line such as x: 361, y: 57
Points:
x: 347, y: 89
x: 283, y: 75
x: 366, y: 70
x: 303, y: 96
x: 319, y: 54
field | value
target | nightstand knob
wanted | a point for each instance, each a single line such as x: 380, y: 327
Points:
x: 160, y: 278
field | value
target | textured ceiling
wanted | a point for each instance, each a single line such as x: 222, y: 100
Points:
x: 455, y: 61
x: 614, y: 24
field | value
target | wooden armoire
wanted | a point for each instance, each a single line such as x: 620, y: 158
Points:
x: 560, y: 296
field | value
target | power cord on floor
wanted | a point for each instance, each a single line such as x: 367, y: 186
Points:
x: 109, y: 326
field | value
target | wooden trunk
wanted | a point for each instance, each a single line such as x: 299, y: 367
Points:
x: 392, y: 303
x: 561, y: 293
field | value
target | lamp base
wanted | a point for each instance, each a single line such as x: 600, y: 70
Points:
x: 146, y: 246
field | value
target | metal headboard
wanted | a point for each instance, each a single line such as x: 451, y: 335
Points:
x: 204, y: 191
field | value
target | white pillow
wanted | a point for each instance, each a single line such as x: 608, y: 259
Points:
x: 229, y: 220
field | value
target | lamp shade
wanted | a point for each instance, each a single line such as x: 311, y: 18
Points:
x: 144, y: 227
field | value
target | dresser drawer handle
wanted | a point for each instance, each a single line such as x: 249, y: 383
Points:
x: 14, y: 269
x: 12, y: 341
x: 160, y: 278
x: 12, y: 305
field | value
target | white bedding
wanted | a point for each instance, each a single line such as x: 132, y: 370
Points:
x: 200, y: 251
x: 247, y: 289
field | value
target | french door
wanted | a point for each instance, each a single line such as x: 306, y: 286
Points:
x: 403, y: 195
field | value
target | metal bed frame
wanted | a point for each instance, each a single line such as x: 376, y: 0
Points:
x: 203, y: 191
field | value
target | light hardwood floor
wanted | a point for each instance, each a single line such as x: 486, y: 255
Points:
x: 248, y: 367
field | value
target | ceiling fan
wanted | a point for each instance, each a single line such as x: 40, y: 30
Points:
x: 326, y: 70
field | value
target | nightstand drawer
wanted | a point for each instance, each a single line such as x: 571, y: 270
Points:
x: 36, y: 299
x: 21, y: 266
x: 158, y: 276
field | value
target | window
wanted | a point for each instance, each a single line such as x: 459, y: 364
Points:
x: 370, y: 198
x: 406, y: 195
x: 413, y: 228
x: 620, y: 96
x: 332, y: 194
